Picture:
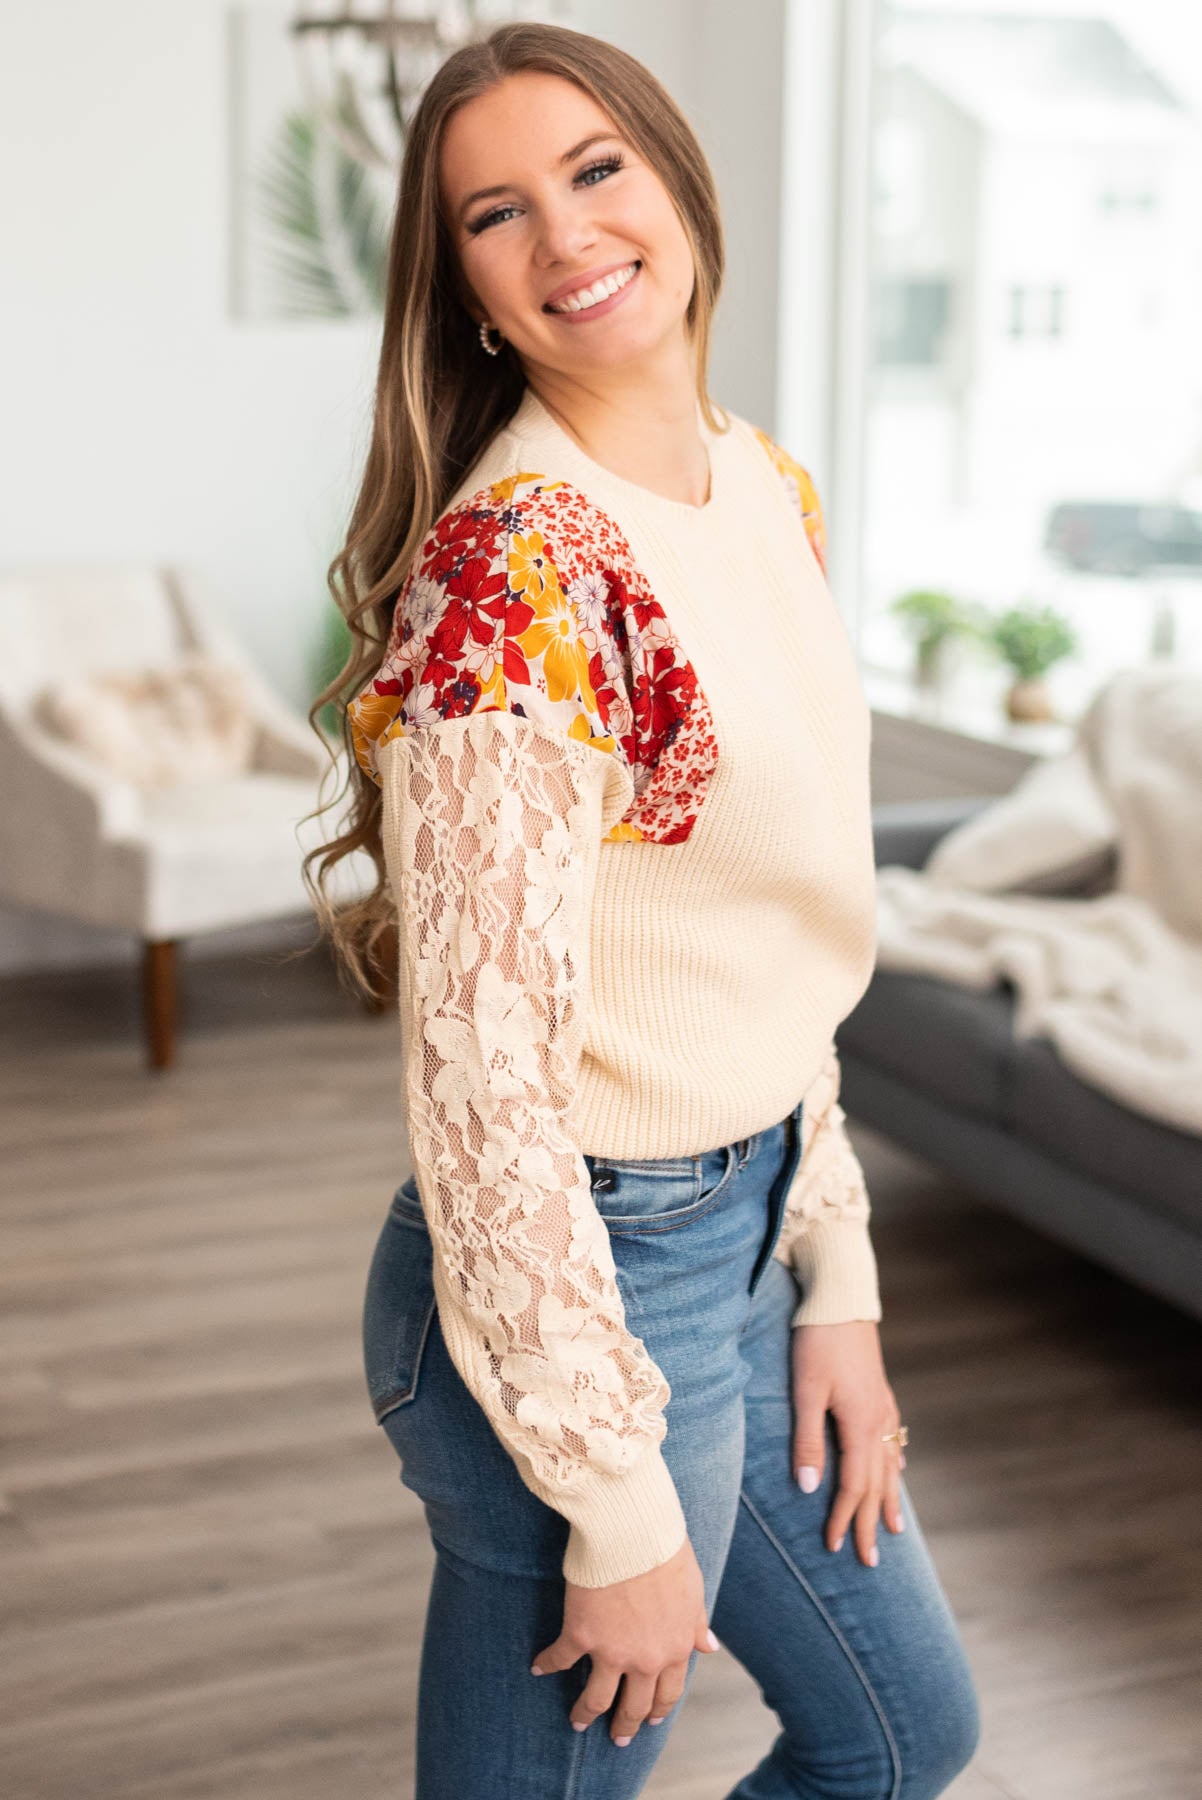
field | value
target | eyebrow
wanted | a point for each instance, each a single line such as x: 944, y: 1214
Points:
x: 568, y: 156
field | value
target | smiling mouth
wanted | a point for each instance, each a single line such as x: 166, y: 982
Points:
x: 585, y: 305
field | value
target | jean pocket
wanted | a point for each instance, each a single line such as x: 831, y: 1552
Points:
x: 636, y: 1195
x: 398, y: 1311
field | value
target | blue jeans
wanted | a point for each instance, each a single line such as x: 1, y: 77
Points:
x: 863, y: 1667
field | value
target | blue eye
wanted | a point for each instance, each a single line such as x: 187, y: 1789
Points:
x: 607, y: 164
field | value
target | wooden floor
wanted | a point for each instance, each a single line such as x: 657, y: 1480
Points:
x: 212, y: 1581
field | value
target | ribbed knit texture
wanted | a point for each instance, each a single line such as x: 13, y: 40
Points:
x: 715, y: 917
x: 721, y: 966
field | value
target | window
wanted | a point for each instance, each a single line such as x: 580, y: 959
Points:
x: 1018, y: 420
x: 911, y: 317
x: 1132, y: 202
x: 1036, y: 312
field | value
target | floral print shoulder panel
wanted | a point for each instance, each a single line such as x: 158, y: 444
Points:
x: 526, y: 598
x: 802, y: 492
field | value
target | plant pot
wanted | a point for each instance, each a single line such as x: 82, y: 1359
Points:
x: 1027, y: 700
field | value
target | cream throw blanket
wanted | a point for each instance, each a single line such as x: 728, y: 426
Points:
x: 1115, y: 981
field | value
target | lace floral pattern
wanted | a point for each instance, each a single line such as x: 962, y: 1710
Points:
x: 830, y: 1181
x: 824, y: 1235
x: 488, y: 826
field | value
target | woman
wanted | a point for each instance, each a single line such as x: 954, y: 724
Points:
x: 611, y: 758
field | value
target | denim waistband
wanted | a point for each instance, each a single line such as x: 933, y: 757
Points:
x: 406, y: 1198
x: 742, y: 1148
x: 748, y: 1145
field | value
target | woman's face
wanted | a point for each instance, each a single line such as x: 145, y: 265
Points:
x: 569, y: 202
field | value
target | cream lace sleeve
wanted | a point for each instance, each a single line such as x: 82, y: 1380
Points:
x: 825, y: 1236
x: 491, y: 828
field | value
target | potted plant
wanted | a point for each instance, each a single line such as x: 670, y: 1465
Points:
x: 1031, y: 640
x: 931, y: 619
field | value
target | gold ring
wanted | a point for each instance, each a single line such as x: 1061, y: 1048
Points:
x: 901, y: 1434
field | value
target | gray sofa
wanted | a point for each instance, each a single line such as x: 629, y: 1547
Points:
x: 936, y: 1067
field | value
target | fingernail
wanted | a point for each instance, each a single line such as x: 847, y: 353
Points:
x: 535, y: 1670
x: 658, y: 1721
x: 838, y: 1543
x: 874, y: 1557
x: 579, y: 1724
x: 712, y: 1641
x: 807, y: 1476
x: 621, y: 1742
x: 902, y: 1460
x: 901, y: 1523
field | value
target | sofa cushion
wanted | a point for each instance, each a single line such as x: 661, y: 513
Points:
x: 954, y: 1042
x: 1084, y: 1128
x: 189, y: 721
x: 1052, y: 834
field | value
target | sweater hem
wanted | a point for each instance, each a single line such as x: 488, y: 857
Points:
x: 834, y: 1261
x: 623, y: 1525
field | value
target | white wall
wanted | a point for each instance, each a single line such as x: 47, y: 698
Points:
x: 723, y: 63
x: 139, y: 419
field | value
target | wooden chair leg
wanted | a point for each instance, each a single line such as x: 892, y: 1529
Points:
x: 159, y: 1001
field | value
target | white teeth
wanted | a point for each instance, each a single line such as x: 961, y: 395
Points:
x: 600, y: 290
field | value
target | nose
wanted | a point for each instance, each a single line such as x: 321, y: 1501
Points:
x: 566, y: 234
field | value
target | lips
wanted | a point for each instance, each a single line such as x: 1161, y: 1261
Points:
x: 582, y: 283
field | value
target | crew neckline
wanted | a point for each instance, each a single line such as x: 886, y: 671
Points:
x: 533, y: 421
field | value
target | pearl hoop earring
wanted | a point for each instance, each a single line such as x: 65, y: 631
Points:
x: 493, y: 349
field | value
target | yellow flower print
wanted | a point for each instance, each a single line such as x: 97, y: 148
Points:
x: 531, y: 571
x: 579, y: 728
x: 811, y: 513
x: 373, y: 720
x: 502, y: 491
x: 553, y: 640
x: 805, y: 494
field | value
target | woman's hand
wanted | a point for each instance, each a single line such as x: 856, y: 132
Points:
x: 840, y: 1368
x: 639, y: 1632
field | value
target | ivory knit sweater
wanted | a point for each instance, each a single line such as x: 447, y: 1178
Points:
x: 623, y: 750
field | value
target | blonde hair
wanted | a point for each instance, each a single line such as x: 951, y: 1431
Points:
x: 439, y: 400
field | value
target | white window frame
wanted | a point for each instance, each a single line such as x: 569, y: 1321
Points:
x: 823, y: 347
x: 824, y: 361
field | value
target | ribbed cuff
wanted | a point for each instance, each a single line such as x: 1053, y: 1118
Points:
x: 623, y: 1525
x: 836, y: 1267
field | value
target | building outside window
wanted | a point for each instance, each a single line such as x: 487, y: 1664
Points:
x: 1030, y: 428
x: 1036, y: 311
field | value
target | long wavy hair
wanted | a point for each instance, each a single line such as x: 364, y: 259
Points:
x: 439, y: 401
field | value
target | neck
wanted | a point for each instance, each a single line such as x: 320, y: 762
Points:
x: 640, y: 423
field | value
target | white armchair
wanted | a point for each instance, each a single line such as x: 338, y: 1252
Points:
x: 164, y: 862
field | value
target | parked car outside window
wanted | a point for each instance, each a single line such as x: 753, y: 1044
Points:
x: 1107, y: 537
